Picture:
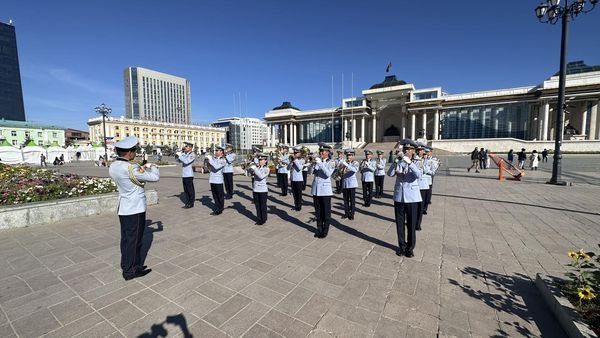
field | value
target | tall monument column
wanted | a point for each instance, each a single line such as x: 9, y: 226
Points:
x: 424, y: 125
x: 546, y: 118
x: 362, y: 129
x: 413, y: 123
x: 436, y: 125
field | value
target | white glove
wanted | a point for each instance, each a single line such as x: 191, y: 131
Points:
x: 396, y: 160
x: 208, y: 157
x: 406, y: 159
x: 318, y: 160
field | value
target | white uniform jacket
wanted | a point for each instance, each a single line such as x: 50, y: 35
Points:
x: 322, y: 181
x: 229, y: 159
x: 368, y: 171
x: 406, y: 189
x: 284, y: 161
x: 296, y: 170
x: 186, y: 160
x: 349, y: 179
x: 132, y: 199
x: 216, y: 170
x: 260, y: 179
x: 380, y: 168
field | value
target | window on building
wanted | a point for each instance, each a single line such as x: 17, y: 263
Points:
x: 40, y: 143
x: 27, y: 134
x: 117, y: 134
x: 39, y: 134
x: 14, y: 142
x: 116, y: 127
x: 126, y: 128
x: 54, y: 134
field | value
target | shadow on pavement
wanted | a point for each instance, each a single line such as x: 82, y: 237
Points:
x: 519, y: 203
x: 287, y: 218
x: 515, y: 295
x: 239, y: 207
x: 361, y: 235
x: 149, y: 238
x: 159, y: 330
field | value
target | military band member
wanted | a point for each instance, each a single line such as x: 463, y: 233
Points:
x: 435, y: 165
x: 187, y: 159
x: 228, y: 170
x: 282, y: 170
x: 367, y: 170
x: 260, y: 190
x: 305, y: 172
x: 322, y: 168
x: 379, y: 174
x: 406, y: 197
x: 338, y: 160
x: 215, y: 166
x: 348, y: 169
x: 429, y: 165
x: 131, y: 204
x: 424, y: 167
x: 296, y: 168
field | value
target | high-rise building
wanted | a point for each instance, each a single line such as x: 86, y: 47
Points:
x: 243, y: 132
x: 155, y: 96
x: 11, y: 93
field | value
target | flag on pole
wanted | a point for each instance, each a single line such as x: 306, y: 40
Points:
x: 389, y: 66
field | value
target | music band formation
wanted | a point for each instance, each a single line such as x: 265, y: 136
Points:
x: 414, y: 169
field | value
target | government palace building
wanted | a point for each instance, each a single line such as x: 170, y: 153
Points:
x: 393, y: 109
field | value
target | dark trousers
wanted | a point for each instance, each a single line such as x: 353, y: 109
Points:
x: 427, y: 199
x: 338, y: 186
x: 283, y: 183
x: 430, y: 191
x: 379, y: 186
x: 260, y: 201
x: 322, y: 213
x: 406, y: 212
x: 189, y: 193
x: 367, y: 193
x: 218, y: 197
x: 132, y: 232
x: 349, y: 195
x: 422, y: 206
x: 297, y: 192
x: 304, y: 176
x: 228, y: 180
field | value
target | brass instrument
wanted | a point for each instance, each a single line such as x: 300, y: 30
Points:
x: 277, y: 156
x: 363, y: 164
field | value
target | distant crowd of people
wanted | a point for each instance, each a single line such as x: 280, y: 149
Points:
x: 481, y: 160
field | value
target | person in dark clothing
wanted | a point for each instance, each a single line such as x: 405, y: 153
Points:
x: 482, y: 159
x: 474, y: 160
x: 511, y: 156
x: 545, y: 155
x: 521, y: 156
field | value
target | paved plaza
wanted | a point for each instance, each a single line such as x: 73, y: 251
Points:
x: 481, y: 245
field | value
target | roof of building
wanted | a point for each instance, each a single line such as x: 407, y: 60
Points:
x: 578, y: 67
x: 389, y: 81
x: 25, y: 124
x: 285, y: 105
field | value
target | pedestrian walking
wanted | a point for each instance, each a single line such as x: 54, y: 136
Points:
x: 545, y: 155
x: 43, y: 160
x: 534, y: 160
x: 521, y: 157
x: 474, y: 160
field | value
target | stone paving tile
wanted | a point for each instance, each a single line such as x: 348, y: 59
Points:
x: 471, y: 275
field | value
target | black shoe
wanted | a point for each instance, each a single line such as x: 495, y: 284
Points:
x: 187, y: 206
x: 418, y: 229
x: 345, y: 216
x: 140, y: 273
x: 424, y: 212
x: 317, y: 235
x: 399, y: 253
x: 409, y: 253
x: 351, y: 217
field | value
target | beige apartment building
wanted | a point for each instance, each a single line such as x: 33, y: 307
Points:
x: 156, y: 133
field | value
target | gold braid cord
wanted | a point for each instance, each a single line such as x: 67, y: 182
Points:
x: 132, y: 177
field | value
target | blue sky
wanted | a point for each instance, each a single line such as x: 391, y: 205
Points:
x: 73, y: 53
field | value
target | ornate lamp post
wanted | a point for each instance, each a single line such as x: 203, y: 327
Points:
x: 104, y: 110
x: 551, y: 12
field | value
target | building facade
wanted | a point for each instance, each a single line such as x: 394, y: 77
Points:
x: 394, y: 109
x: 155, y: 96
x: 158, y: 134
x: 17, y: 133
x: 11, y: 93
x: 243, y: 132
x: 74, y: 136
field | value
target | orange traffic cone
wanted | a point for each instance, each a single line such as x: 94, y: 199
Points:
x: 500, y: 170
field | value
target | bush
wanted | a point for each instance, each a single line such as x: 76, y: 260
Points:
x: 583, y: 285
x: 22, y: 184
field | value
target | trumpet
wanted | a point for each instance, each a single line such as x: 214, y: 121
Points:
x: 363, y: 164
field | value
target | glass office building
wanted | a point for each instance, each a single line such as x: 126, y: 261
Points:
x: 319, y: 131
x: 11, y: 93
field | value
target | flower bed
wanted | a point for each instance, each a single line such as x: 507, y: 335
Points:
x: 582, y: 287
x: 23, y: 184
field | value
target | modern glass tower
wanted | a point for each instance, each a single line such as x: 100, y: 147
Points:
x: 11, y: 93
x: 155, y: 96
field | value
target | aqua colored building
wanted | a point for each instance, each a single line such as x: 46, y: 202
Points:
x: 16, y: 132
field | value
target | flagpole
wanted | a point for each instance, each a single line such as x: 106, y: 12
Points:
x: 332, y: 112
x: 352, y: 112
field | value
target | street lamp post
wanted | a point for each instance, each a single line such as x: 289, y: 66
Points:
x: 104, y: 110
x: 550, y: 12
